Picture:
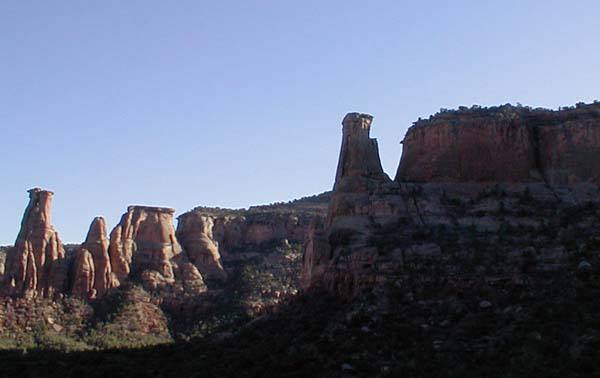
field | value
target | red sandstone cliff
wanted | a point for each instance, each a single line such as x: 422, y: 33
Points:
x: 212, y: 237
x: 504, y: 144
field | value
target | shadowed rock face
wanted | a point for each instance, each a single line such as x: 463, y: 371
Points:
x: 144, y: 240
x: 91, y: 272
x: 34, y: 263
x: 570, y: 149
x: 359, y: 161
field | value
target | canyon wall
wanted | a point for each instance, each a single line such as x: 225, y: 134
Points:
x: 504, y: 190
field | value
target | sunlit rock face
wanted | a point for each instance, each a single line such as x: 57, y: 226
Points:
x: 469, y: 148
x: 504, y: 144
x: 195, y: 232
x: 91, y: 273
x: 34, y: 264
x: 144, y: 240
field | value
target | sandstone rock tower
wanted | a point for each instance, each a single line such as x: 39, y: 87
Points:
x: 33, y: 266
x: 359, y: 161
x: 92, y: 274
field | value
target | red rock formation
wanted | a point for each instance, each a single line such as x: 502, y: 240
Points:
x: 33, y: 265
x: 212, y: 237
x: 359, y: 196
x: 95, y: 248
x: 504, y: 144
x: 195, y: 231
x: 480, y: 168
x: 144, y: 240
x: 359, y: 163
x: 82, y: 284
x: 569, y: 145
x: 97, y: 243
x: 471, y: 147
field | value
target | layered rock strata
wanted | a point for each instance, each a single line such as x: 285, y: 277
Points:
x: 34, y: 263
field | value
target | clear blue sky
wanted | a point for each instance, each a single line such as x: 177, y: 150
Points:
x: 233, y: 103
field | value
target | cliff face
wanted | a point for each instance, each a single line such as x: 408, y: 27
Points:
x: 195, y: 231
x: 504, y: 144
x: 213, y: 238
x: 486, y: 190
x: 570, y: 146
x: 34, y: 263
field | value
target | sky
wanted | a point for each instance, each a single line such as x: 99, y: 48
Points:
x: 235, y: 103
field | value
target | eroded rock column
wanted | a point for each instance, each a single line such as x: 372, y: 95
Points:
x: 34, y: 263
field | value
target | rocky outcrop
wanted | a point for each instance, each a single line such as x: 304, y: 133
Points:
x: 195, y: 232
x: 359, y: 163
x: 91, y: 271
x: 144, y: 240
x: 34, y: 263
x: 504, y: 144
x: 214, y: 237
